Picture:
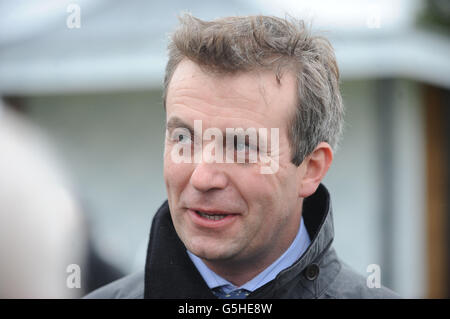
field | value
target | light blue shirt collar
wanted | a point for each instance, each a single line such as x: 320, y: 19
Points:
x: 291, y: 255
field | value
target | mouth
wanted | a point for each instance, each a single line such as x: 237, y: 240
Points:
x: 211, y: 218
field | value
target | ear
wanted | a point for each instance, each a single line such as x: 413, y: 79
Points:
x: 315, y: 166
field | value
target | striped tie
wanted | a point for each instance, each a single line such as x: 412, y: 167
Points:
x: 235, y: 294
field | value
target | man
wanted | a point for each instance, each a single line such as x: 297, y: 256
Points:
x: 247, y: 215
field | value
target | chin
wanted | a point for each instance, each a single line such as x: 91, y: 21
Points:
x: 209, y: 252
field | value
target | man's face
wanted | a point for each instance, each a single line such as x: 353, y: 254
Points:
x: 230, y: 211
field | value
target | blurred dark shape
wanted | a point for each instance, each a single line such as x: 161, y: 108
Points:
x: 99, y: 271
x: 436, y: 13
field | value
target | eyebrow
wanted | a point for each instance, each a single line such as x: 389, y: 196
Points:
x: 176, y: 122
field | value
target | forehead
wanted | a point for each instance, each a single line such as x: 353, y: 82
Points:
x: 254, y: 96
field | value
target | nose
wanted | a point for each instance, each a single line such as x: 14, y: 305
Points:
x: 208, y: 176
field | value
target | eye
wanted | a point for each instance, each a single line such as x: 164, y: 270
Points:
x: 239, y: 146
x: 182, y: 136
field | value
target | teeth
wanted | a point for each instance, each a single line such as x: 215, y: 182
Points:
x: 211, y: 217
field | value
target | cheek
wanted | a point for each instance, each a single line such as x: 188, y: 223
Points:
x: 269, y: 196
x: 176, y: 175
x: 259, y: 193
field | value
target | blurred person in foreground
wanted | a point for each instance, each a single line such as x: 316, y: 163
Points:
x: 254, y: 114
x: 41, y: 227
x: 45, y: 245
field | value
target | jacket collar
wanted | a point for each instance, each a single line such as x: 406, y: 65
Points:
x: 169, y: 272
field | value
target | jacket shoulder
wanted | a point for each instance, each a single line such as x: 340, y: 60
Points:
x: 128, y: 287
x: 351, y: 285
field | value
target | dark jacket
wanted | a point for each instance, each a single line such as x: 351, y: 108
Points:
x: 319, y: 273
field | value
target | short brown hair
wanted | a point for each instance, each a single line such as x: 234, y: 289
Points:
x: 234, y: 44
